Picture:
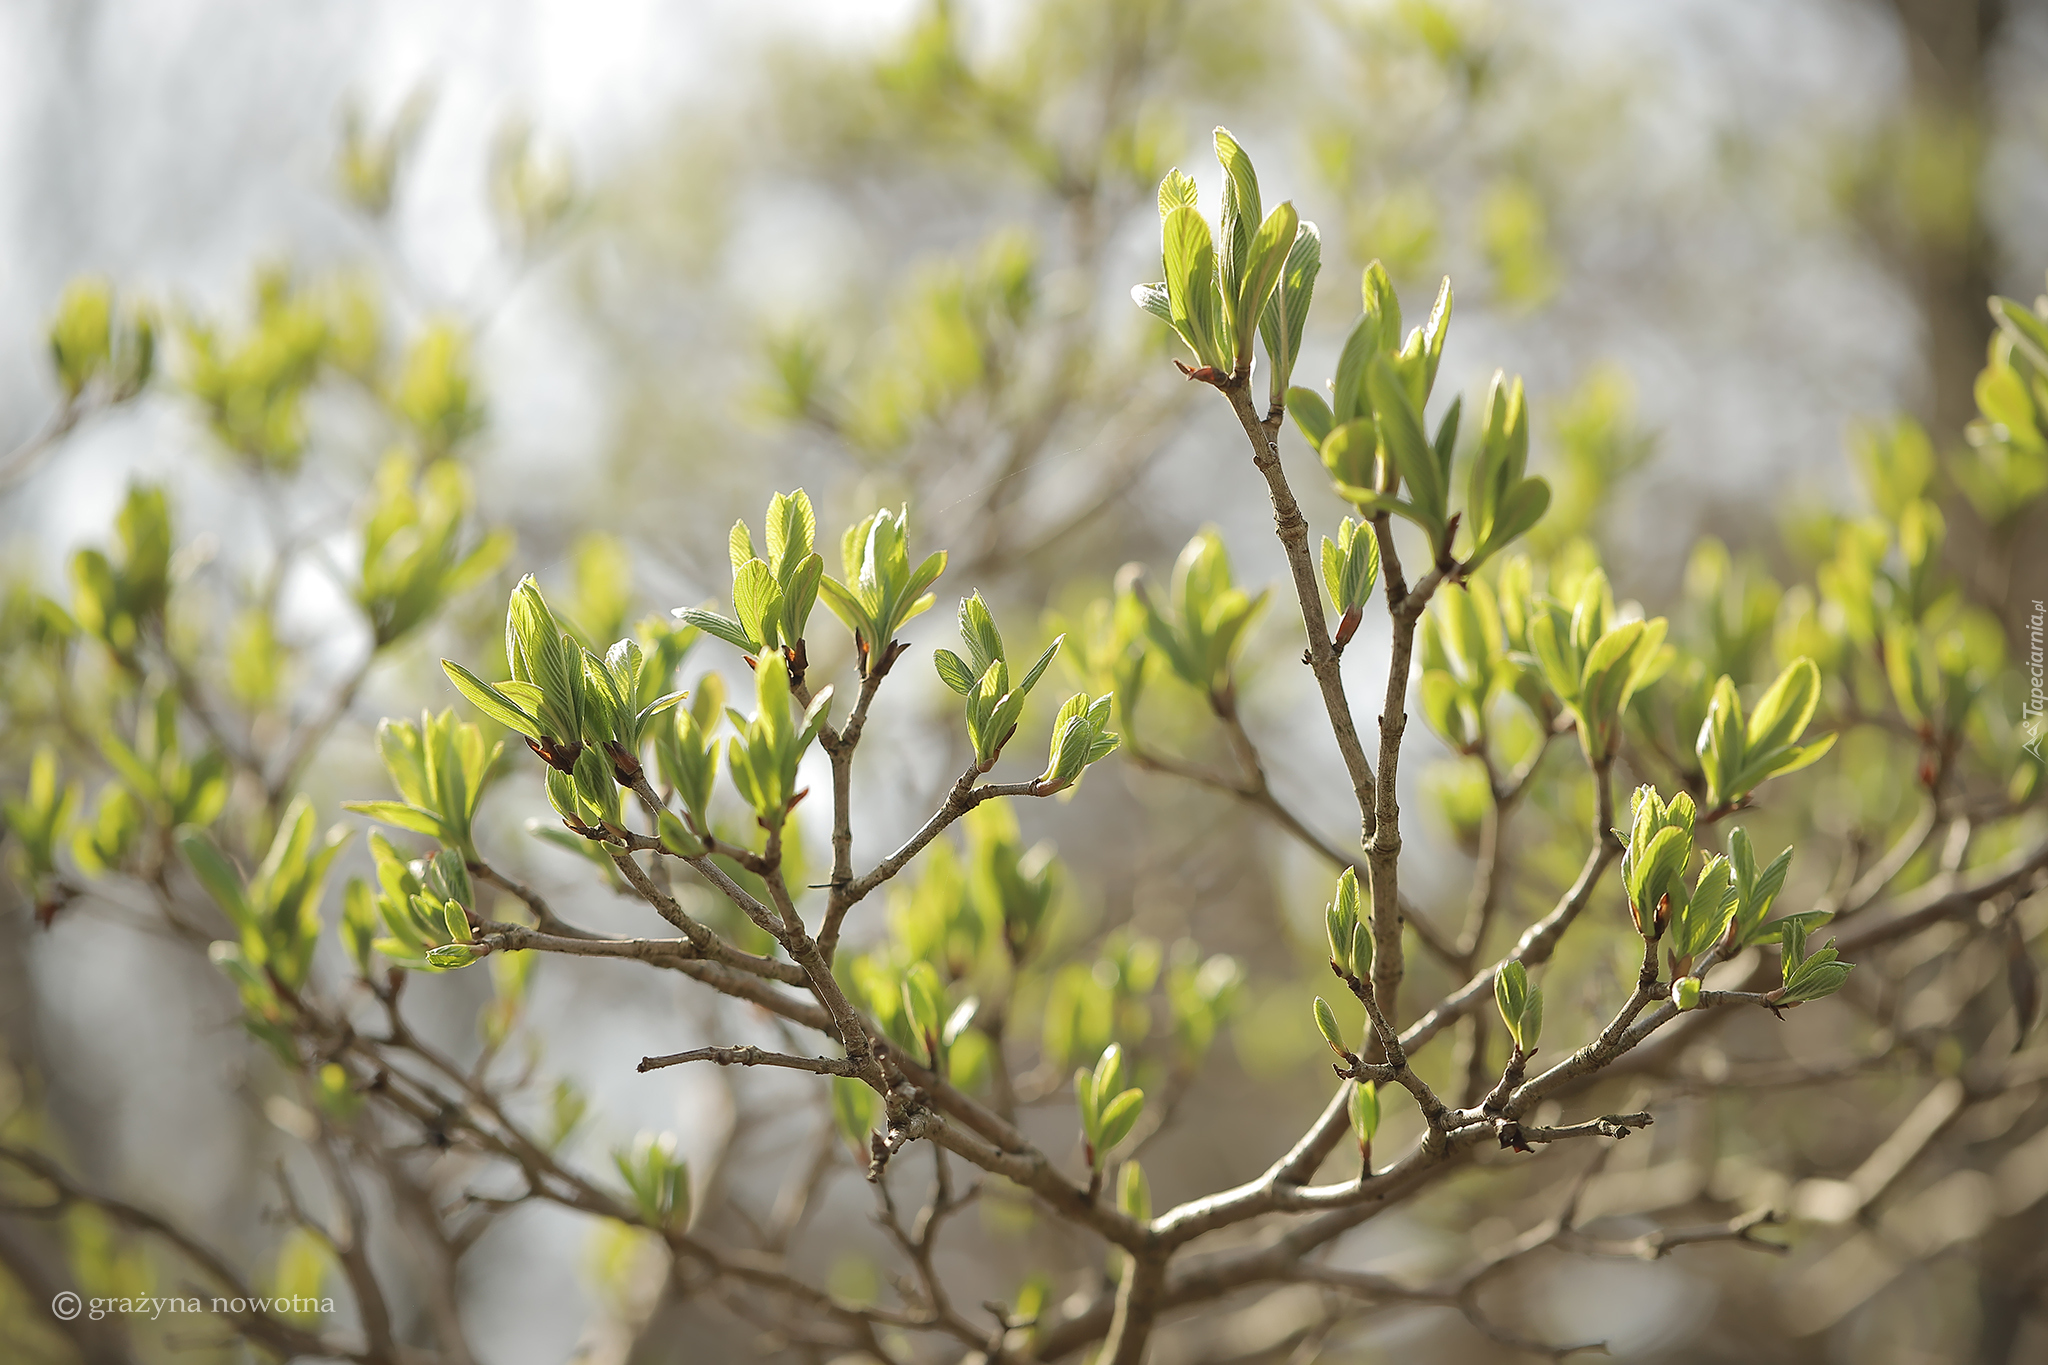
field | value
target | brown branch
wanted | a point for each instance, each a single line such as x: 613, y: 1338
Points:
x: 1612, y: 1041
x: 839, y: 746
x: 544, y: 918
x: 751, y: 1056
x: 1383, y: 846
x: 1607, y: 1125
x: 1534, y: 948
x: 663, y: 952
x: 1137, y: 1309
x: 964, y: 797
x: 1433, y: 1109
x: 848, y: 1027
x: 920, y: 1244
x: 1652, y: 1246
x: 1292, y: 529
x: 707, y: 944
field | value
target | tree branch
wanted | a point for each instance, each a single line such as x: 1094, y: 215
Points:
x: 751, y: 1056
x: 1292, y: 529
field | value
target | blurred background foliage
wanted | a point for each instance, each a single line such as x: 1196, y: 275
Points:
x: 266, y: 475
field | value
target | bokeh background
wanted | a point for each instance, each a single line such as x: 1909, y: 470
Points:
x: 1713, y: 235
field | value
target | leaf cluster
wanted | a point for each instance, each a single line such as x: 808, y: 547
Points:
x: 1109, y: 1109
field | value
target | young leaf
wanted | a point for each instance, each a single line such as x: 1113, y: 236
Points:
x: 490, y: 700
x: 1119, y: 1116
x: 1285, y: 316
x: 1326, y: 1021
x: 1364, y: 1110
x: 1190, y: 257
x: 1412, y: 454
x: 1269, y: 251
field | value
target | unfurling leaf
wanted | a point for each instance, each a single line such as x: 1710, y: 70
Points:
x: 1364, y: 1109
x: 1326, y: 1021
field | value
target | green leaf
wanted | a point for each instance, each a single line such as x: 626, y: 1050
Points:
x: 1348, y: 392
x: 739, y: 546
x: 1133, y: 1195
x: 1177, y: 190
x: 525, y: 696
x: 1443, y: 706
x: 1079, y: 738
x: 1814, y: 977
x: 924, y: 997
x: 1511, y: 994
x: 596, y: 787
x: 457, y: 922
x: 847, y: 606
x: 1239, y: 219
x: 490, y: 700
x: 720, y: 627
x: 757, y: 601
x: 1326, y: 1021
x: 216, y: 874
x: 1601, y: 680
x: 1109, y: 1072
x: 978, y: 630
x: 1190, y: 258
x: 1656, y: 874
x: 1154, y: 299
x: 2028, y: 332
x: 799, y: 596
x: 1084, y: 1100
x: 953, y: 671
x: 1519, y: 511
x: 1697, y: 925
x: 982, y: 707
x: 1782, y: 714
x: 1413, y: 457
x: 1312, y: 415
x: 1038, y: 669
x: 399, y: 815
x: 1338, y: 931
x: 1779, y: 762
x: 1285, y: 316
x: 1551, y: 646
x: 1434, y: 331
x: 1530, y: 1029
x: 1799, y: 925
x: 1382, y: 307
x: 666, y: 702
x: 792, y: 528
x: 1269, y: 250
x: 1334, y: 563
x: 1720, y: 745
x: 1364, y: 1110
x: 1341, y: 918
x: 1119, y: 1116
